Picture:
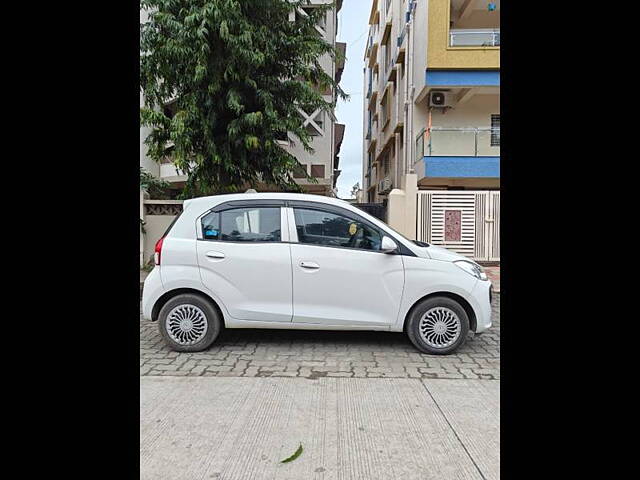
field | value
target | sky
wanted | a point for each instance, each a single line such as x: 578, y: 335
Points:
x: 353, y: 26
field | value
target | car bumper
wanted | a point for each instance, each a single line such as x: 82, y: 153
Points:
x: 151, y: 292
x: 481, y: 294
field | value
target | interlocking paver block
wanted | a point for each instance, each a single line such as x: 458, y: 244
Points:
x: 309, y: 354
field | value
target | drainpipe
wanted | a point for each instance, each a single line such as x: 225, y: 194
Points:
x: 409, y: 87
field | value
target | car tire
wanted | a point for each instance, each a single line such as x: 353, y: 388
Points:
x: 189, y: 323
x: 438, y: 326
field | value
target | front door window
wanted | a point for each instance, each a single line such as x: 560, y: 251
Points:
x: 318, y: 227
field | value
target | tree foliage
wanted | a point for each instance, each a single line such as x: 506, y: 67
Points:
x: 156, y: 188
x: 237, y: 71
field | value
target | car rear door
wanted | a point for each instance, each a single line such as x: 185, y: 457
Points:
x: 340, y: 276
x: 244, y: 258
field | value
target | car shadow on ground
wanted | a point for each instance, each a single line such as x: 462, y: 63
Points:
x: 348, y: 339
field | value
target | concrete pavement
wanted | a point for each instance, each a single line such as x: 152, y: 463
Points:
x: 350, y: 428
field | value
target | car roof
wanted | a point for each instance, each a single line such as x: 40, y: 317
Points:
x: 213, y: 200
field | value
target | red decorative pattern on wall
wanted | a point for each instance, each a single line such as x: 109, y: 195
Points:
x: 453, y: 225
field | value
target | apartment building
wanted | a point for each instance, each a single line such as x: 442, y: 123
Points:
x: 327, y: 134
x: 432, y: 111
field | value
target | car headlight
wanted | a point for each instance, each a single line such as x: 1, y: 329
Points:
x: 472, y: 269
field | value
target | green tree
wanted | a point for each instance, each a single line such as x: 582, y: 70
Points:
x: 156, y: 188
x: 237, y: 73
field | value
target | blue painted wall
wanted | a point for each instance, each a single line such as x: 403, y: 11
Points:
x: 463, y: 78
x: 462, y: 167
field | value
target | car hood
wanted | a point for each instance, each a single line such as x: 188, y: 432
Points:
x: 439, y: 253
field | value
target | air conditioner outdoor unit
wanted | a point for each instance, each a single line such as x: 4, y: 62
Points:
x: 440, y: 99
x: 384, y: 186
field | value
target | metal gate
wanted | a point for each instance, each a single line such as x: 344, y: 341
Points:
x: 466, y: 222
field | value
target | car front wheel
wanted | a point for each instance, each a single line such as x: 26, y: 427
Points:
x: 189, y: 323
x: 438, y: 325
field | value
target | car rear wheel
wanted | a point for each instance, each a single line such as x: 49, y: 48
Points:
x: 189, y: 323
x: 438, y: 326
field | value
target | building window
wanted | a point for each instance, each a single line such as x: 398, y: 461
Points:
x: 495, y: 130
x: 317, y: 171
x: 385, y: 106
x: 300, y: 171
x: 315, y: 126
x: 384, y: 161
x: 387, y: 55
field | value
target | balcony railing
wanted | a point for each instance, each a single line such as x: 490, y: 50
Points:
x: 459, y: 142
x: 486, y: 37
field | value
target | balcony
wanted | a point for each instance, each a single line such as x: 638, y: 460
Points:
x: 463, y: 35
x: 465, y: 152
x: 169, y: 172
x: 374, y: 15
x: 372, y: 52
x: 463, y: 142
x: 485, y: 37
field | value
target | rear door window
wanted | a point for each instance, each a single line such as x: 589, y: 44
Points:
x: 261, y: 224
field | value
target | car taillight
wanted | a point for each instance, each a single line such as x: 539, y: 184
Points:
x: 158, y: 251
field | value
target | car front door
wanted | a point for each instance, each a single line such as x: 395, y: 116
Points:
x: 244, y: 259
x: 340, y: 276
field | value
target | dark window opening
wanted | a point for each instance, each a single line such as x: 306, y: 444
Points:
x: 300, y: 171
x: 317, y: 171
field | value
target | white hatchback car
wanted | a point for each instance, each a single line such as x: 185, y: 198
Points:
x: 294, y: 261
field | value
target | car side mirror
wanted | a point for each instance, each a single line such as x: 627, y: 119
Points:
x: 388, y: 245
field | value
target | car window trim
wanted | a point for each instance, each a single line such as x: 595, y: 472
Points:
x: 233, y: 204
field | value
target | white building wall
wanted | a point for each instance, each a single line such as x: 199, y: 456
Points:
x: 323, y: 145
x: 145, y: 162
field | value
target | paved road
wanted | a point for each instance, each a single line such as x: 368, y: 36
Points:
x: 309, y: 354
x: 349, y: 428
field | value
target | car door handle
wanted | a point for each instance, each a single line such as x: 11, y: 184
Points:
x: 310, y: 265
x: 213, y: 254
